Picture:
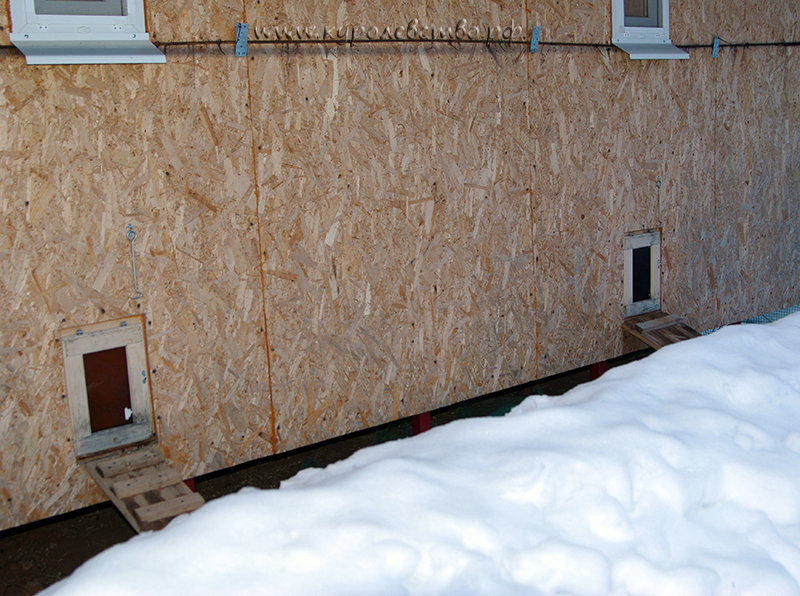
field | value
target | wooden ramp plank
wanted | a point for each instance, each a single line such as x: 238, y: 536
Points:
x: 129, y: 462
x: 143, y: 487
x: 658, y: 329
x: 152, y: 481
x: 660, y: 323
x: 169, y: 509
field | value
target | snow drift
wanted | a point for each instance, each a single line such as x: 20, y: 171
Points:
x: 678, y: 474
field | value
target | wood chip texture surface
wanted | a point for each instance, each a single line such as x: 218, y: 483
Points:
x: 332, y: 236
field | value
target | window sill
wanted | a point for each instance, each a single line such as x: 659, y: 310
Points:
x: 651, y: 51
x: 94, y: 51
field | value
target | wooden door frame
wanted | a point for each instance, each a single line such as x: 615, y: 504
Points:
x: 128, y: 332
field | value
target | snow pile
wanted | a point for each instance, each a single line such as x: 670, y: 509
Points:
x: 678, y: 474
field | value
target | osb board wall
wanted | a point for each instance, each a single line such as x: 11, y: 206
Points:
x: 5, y: 26
x: 755, y: 159
x: 596, y: 171
x: 88, y: 150
x: 398, y: 247
x: 581, y: 21
x: 330, y: 238
x: 192, y: 21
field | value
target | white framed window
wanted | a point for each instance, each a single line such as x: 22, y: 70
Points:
x: 82, y: 32
x: 641, y: 28
x: 108, y: 385
x: 642, y: 272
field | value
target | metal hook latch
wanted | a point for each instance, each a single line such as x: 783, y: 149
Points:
x: 131, y: 235
x: 658, y: 184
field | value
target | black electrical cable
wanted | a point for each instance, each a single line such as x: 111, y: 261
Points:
x: 351, y: 42
x: 747, y: 44
x: 484, y: 41
x: 461, y: 41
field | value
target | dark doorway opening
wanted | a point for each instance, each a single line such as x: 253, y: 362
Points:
x: 641, y: 274
x: 107, y: 388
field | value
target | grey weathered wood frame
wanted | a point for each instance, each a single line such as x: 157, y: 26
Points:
x: 129, y: 333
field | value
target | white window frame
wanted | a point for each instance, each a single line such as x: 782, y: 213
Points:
x: 82, y: 38
x: 651, y: 238
x: 644, y: 43
x: 77, y: 341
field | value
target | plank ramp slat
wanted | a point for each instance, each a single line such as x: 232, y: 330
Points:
x: 658, y: 329
x: 142, y: 458
x: 152, y: 481
x: 143, y: 487
x: 169, y: 509
x: 659, y: 323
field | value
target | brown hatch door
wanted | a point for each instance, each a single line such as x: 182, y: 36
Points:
x: 107, y: 389
x: 111, y: 406
x: 108, y: 385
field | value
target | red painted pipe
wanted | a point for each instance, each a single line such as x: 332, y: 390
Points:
x: 420, y: 423
x: 597, y: 369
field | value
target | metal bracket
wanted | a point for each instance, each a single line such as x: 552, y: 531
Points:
x: 241, y: 40
x: 131, y: 235
x: 715, y: 51
x: 535, y: 39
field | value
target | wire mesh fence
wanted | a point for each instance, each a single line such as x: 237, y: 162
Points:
x: 764, y: 319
